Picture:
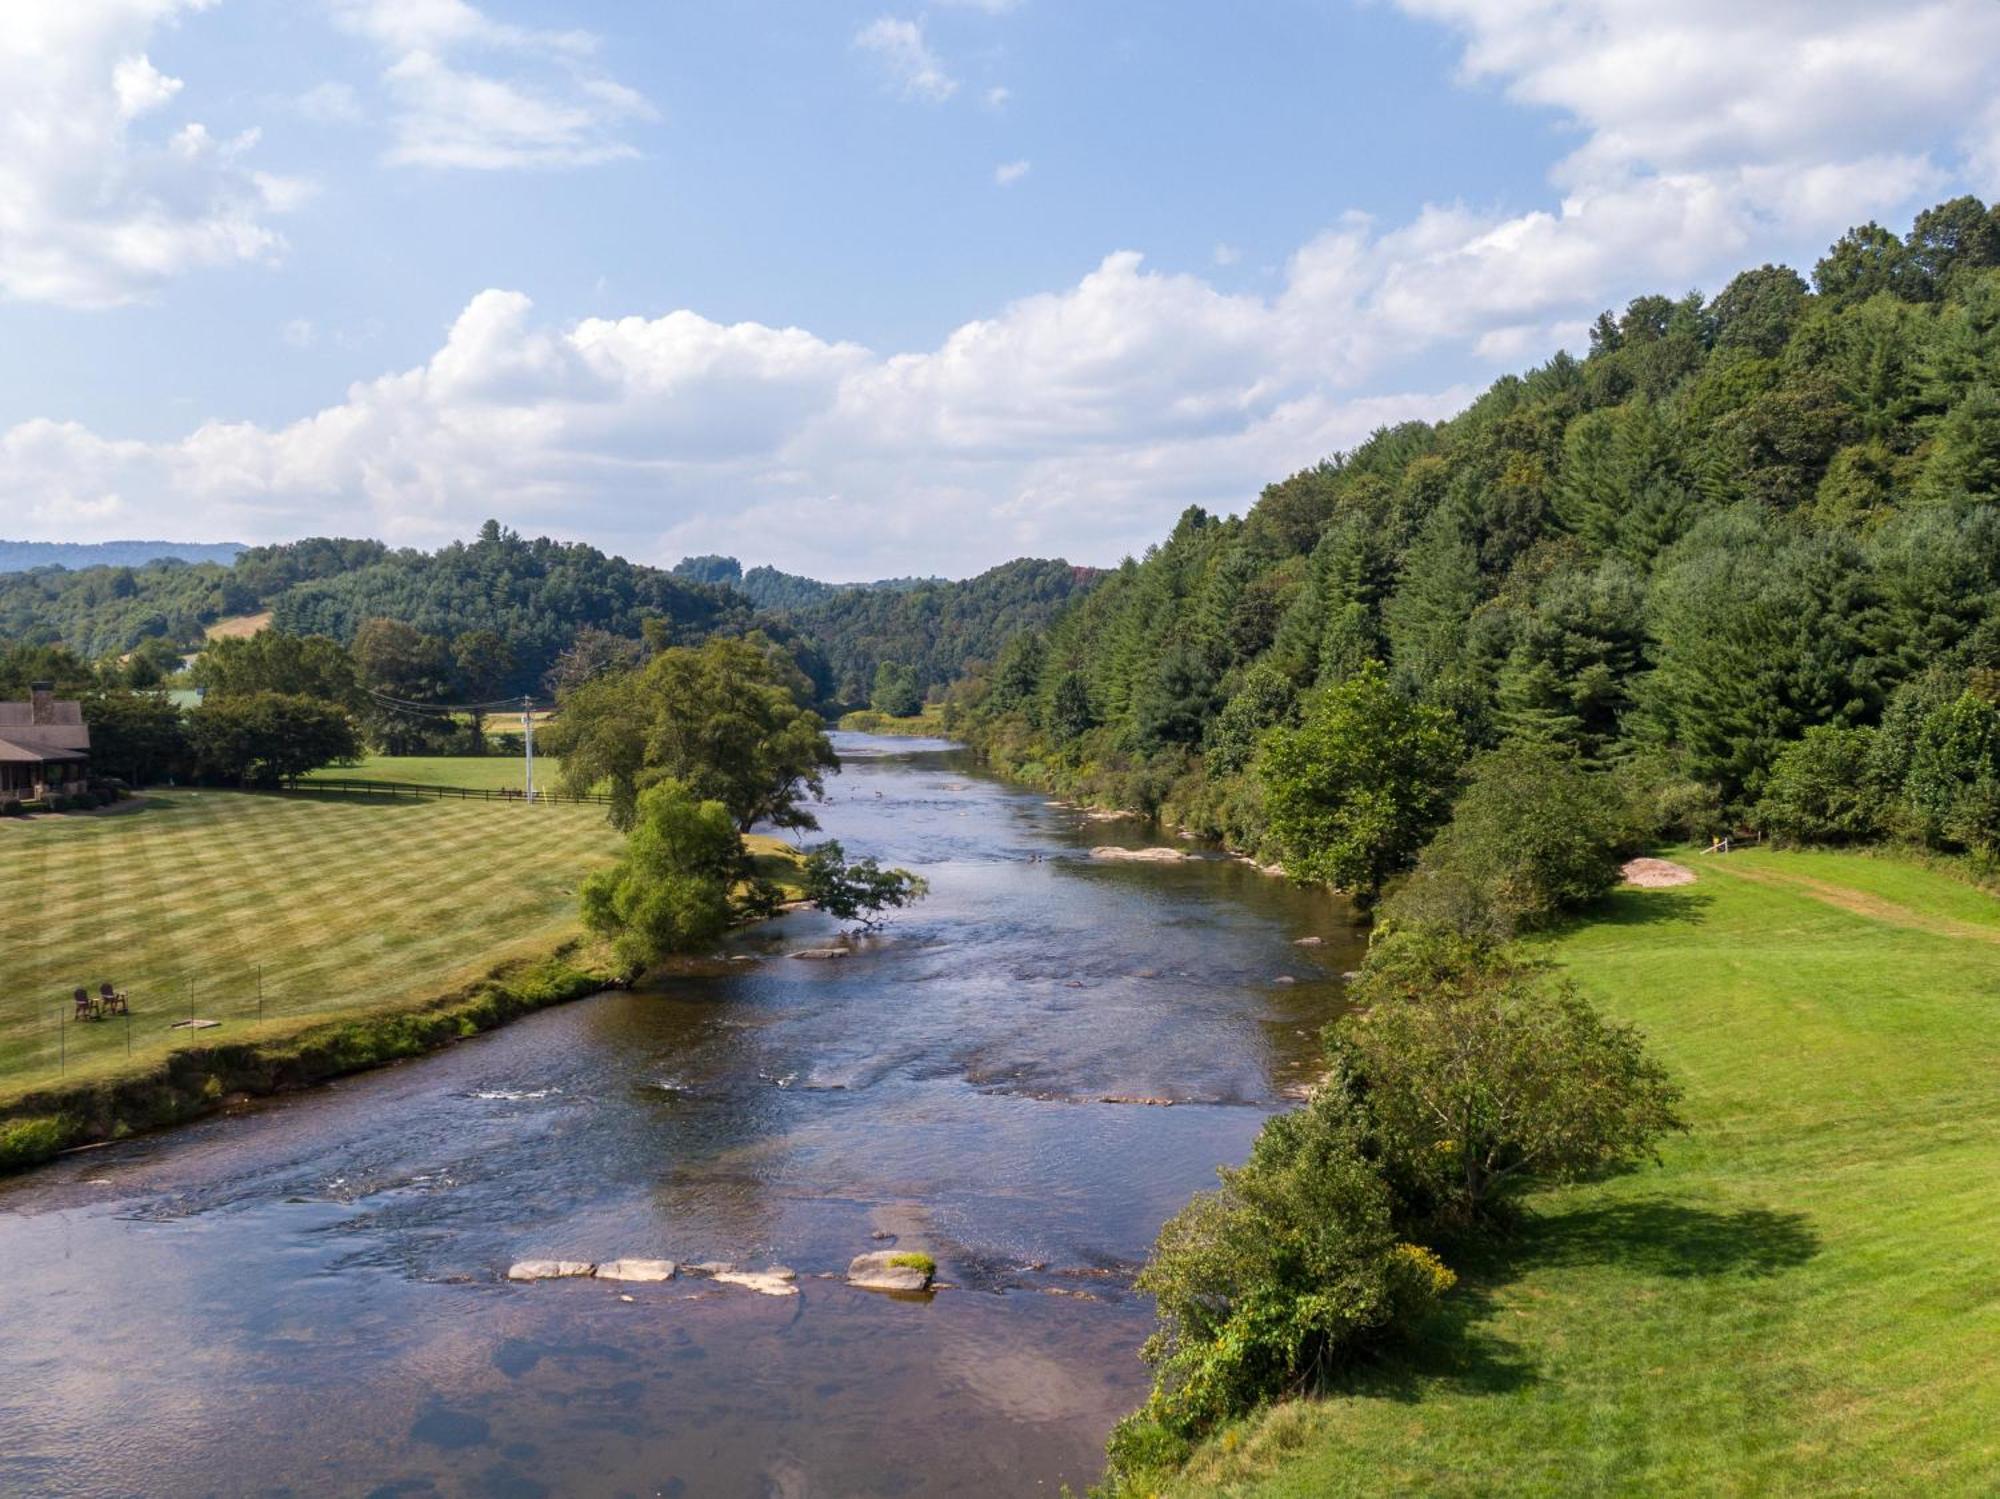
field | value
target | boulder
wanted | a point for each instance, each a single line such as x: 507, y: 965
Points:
x: 878, y: 1270
x: 1113, y: 854
x: 820, y: 953
x: 549, y: 1269
x: 1308, y: 941
x: 643, y: 1270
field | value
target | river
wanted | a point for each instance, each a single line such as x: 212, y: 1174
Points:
x: 308, y: 1296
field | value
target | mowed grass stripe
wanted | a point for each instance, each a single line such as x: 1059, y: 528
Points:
x: 347, y: 905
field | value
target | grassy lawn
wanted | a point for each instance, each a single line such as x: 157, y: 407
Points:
x: 1804, y: 1298
x: 347, y: 906
x: 481, y: 772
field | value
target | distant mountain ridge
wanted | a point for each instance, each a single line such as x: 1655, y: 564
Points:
x: 23, y: 556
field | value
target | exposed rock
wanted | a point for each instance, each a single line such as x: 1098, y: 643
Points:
x: 646, y: 1270
x: 710, y: 1267
x: 1151, y: 1103
x: 1309, y: 942
x: 549, y: 1269
x: 1284, y: 978
x: 1141, y: 855
x: 776, y: 1281
x: 821, y: 953
x: 877, y: 1271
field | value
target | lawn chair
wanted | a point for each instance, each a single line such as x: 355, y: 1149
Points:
x: 86, y: 1007
x: 110, y: 1000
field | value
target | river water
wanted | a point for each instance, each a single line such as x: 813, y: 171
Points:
x: 309, y: 1297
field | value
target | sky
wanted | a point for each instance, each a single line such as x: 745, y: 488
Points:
x: 866, y: 290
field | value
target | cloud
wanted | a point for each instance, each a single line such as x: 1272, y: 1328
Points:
x: 101, y: 199
x: 535, y: 99
x: 331, y: 103
x: 908, y: 63
x: 1010, y: 172
x: 998, y: 95
x: 1080, y: 420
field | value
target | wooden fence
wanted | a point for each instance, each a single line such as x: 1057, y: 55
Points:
x: 419, y: 791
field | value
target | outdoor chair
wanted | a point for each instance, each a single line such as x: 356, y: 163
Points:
x: 86, y: 1007
x: 112, y: 1000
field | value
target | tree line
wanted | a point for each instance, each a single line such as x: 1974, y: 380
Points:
x: 1741, y: 559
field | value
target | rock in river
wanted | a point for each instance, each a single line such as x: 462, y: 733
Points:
x: 549, y: 1269
x: 776, y: 1281
x: 821, y: 953
x: 880, y: 1270
x: 1110, y: 852
x: 647, y: 1270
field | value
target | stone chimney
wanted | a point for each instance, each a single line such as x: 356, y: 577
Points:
x: 44, y: 695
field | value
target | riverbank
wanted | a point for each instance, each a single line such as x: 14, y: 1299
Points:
x: 1800, y: 1298
x: 265, y: 942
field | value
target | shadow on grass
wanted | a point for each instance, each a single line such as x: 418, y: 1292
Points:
x: 1679, y: 906
x: 1657, y: 1236
x: 1653, y: 1237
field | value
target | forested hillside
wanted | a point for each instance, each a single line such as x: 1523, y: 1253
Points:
x: 1736, y: 519
x: 935, y: 630
x: 535, y: 595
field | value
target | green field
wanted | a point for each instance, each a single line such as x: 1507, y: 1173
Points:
x: 343, y: 906
x: 481, y: 772
x: 1804, y: 1298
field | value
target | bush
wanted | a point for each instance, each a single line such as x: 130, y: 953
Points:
x: 12, y: 809
x: 1283, y: 1277
x: 26, y: 1142
x: 1821, y: 789
x: 1535, y: 834
x: 1483, y: 1075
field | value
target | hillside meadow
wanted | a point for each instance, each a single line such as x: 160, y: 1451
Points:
x: 1802, y: 1298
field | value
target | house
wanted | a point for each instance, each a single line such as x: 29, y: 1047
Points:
x: 44, y: 746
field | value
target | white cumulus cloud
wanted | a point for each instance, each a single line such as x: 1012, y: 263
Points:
x: 103, y: 197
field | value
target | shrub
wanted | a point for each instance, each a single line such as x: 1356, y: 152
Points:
x: 12, y: 809
x: 1953, y: 783
x: 1283, y: 1277
x: 912, y: 1259
x: 1821, y: 789
x: 1536, y: 833
x: 1483, y: 1075
x: 25, y: 1142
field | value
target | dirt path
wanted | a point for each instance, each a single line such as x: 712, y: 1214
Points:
x: 1860, y: 903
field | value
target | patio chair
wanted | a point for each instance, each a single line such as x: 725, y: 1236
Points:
x: 86, y: 1007
x: 111, y: 1000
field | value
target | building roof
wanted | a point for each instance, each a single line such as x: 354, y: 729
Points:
x: 33, y: 754
x: 62, y: 714
x: 63, y: 737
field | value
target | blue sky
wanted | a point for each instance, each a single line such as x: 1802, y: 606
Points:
x: 861, y: 289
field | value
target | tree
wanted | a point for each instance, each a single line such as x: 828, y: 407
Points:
x: 669, y: 890
x: 895, y: 692
x: 1483, y: 1076
x: 403, y: 672
x: 1070, y: 713
x: 1953, y: 782
x: 138, y: 737
x: 272, y: 661
x: 1358, y: 786
x: 1821, y: 788
x: 860, y: 891
x: 483, y: 663
x: 716, y: 718
x: 1536, y: 833
x: 269, y: 738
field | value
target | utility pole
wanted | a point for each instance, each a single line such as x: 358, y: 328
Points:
x: 528, y: 738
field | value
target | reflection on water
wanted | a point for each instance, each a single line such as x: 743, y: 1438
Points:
x: 308, y: 1298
